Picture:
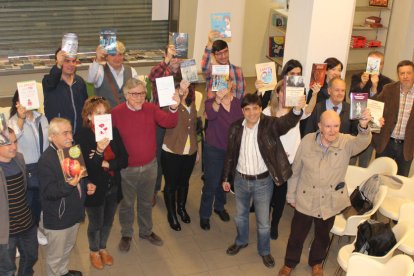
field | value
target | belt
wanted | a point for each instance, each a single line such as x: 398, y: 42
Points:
x: 397, y: 141
x: 254, y: 177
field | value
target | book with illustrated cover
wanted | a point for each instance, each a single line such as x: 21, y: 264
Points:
x: 103, y: 127
x: 294, y: 89
x: 220, y: 22
x: 107, y: 40
x: 358, y: 102
x: 72, y: 162
x: 318, y: 74
x: 373, y: 65
x: 189, y: 70
x: 70, y: 44
x: 180, y: 42
x: 266, y: 72
x: 220, y: 77
x: 377, y: 110
x: 4, y: 131
x: 28, y: 94
x: 276, y: 46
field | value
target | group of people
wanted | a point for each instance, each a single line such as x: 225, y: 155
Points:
x: 254, y: 145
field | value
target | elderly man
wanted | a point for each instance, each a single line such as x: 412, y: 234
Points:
x: 255, y: 156
x: 396, y: 139
x: 317, y: 189
x: 62, y: 201
x: 109, y: 74
x: 64, y: 91
x: 136, y: 121
x: 18, y: 229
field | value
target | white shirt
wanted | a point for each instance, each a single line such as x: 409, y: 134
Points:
x: 96, y: 74
x: 250, y: 160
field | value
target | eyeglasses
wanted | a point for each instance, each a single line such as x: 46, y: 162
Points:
x: 94, y: 99
x: 222, y: 53
x: 139, y: 94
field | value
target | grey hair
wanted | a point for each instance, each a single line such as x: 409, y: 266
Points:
x: 54, y: 126
x: 132, y: 83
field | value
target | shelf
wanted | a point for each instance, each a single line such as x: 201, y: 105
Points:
x: 282, y: 12
x: 371, y: 8
x: 367, y: 28
x: 280, y: 29
x: 356, y: 66
x: 381, y: 49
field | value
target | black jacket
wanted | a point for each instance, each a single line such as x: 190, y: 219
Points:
x: 356, y: 79
x: 96, y: 174
x: 271, y: 149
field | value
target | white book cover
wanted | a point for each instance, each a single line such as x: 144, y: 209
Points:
x: 377, y: 109
x: 294, y: 90
x: 189, y: 70
x: 266, y: 72
x: 70, y: 44
x: 103, y: 127
x: 373, y: 65
x: 28, y: 95
x: 220, y: 77
x: 166, y: 90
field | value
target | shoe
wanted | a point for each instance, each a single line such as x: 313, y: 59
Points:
x: 183, y: 214
x: 274, y: 233
x: 41, y: 238
x: 234, y: 249
x: 105, y: 257
x: 268, y: 261
x: 152, y: 238
x: 125, y: 244
x: 73, y: 273
x: 173, y: 221
x: 285, y: 271
x: 317, y: 270
x: 96, y: 260
x: 205, y: 224
x: 224, y: 216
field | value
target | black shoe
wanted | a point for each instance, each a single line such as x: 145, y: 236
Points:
x: 173, y: 221
x: 268, y: 261
x: 205, y: 224
x: 73, y: 273
x: 274, y: 233
x: 234, y: 249
x: 183, y: 214
x: 152, y: 238
x: 125, y: 244
x: 224, y: 216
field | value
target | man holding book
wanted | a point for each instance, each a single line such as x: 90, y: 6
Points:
x: 109, y: 74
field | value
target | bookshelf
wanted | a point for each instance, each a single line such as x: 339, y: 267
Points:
x: 277, y: 28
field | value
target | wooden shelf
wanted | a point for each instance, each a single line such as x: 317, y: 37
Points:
x: 367, y: 28
x: 370, y: 8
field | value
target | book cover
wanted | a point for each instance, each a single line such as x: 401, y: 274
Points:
x: 4, y: 131
x: 276, y: 46
x: 72, y: 162
x: 373, y: 65
x: 220, y: 77
x: 103, y: 127
x: 166, y: 90
x: 278, y: 20
x: 189, y: 70
x: 358, y: 102
x: 70, y: 44
x: 28, y: 94
x: 266, y: 72
x: 294, y: 89
x: 180, y: 42
x: 318, y: 74
x: 377, y: 110
x: 107, y: 40
x: 220, y: 22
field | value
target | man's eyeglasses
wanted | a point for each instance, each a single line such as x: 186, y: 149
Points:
x: 139, y: 94
x: 222, y: 53
x: 94, y: 99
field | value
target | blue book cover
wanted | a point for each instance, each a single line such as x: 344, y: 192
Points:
x: 220, y: 22
x: 180, y: 42
x: 107, y: 40
x: 189, y: 70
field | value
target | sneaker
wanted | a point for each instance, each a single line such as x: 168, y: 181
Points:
x: 152, y: 238
x: 41, y: 238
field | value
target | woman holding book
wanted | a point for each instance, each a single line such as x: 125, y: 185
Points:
x: 178, y: 156
x: 104, y: 160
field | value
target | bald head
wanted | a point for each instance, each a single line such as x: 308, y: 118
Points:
x: 329, y: 127
x: 330, y: 115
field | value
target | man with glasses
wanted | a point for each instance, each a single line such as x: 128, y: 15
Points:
x: 136, y: 121
x: 64, y: 91
x: 217, y: 53
x: 109, y: 74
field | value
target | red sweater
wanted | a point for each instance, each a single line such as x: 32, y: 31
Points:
x: 137, y: 129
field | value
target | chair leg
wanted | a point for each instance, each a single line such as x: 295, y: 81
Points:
x: 338, y: 270
x: 327, y: 250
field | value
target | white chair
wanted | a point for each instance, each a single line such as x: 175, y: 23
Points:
x: 399, y: 265
x: 406, y: 214
x: 383, y: 165
x: 198, y: 100
x: 401, y: 232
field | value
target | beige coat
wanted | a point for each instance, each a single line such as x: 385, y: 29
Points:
x: 316, y: 174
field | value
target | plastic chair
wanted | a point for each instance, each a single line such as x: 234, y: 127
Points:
x: 383, y: 165
x: 198, y: 100
x: 399, y: 265
x: 406, y: 214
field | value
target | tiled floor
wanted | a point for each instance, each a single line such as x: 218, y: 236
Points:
x: 192, y: 251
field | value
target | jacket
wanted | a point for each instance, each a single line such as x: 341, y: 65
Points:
x: 271, y: 149
x: 390, y: 95
x: 4, y: 201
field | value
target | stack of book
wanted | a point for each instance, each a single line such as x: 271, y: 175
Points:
x: 358, y: 41
x: 373, y: 43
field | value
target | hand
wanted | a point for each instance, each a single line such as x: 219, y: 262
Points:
x: 60, y: 59
x: 364, y: 79
x: 381, y: 121
x: 101, y: 145
x: 226, y: 186
x: 101, y: 55
x: 90, y: 189
x: 105, y: 164
x: 171, y: 52
x: 75, y: 180
x: 220, y: 95
x: 374, y: 80
x: 259, y: 84
x: 365, y: 118
x: 176, y: 98
x: 316, y: 87
x: 21, y: 111
x: 301, y: 103
x: 212, y: 35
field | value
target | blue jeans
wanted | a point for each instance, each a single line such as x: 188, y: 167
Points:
x: 213, y: 159
x: 28, y: 248
x: 261, y: 191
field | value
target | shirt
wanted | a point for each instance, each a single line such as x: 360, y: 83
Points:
x: 406, y: 105
x: 330, y: 106
x: 96, y: 74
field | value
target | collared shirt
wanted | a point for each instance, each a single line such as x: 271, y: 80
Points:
x: 330, y: 106
x: 406, y: 105
x: 96, y: 74
x: 250, y: 160
x: 158, y: 71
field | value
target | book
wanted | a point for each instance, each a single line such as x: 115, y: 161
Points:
x: 378, y: 3
x: 107, y: 40
x: 28, y: 94
x: 294, y: 89
x: 377, y: 110
x: 180, y: 42
x: 266, y: 72
x: 166, y: 90
x: 220, y: 77
x: 358, y: 102
x: 373, y: 65
x: 72, y: 162
x: 318, y: 74
x: 189, y: 70
x: 278, y: 20
x: 276, y: 46
x: 70, y: 44
x: 220, y: 22
x: 103, y: 127
x: 4, y: 131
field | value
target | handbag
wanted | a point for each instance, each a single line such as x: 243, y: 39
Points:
x: 374, y: 238
x: 360, y: 204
